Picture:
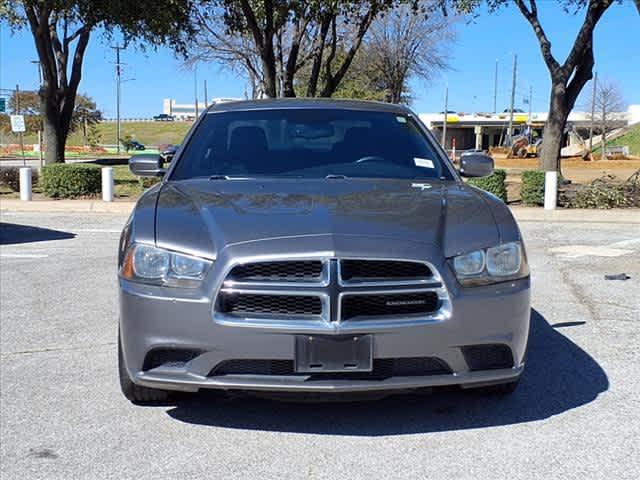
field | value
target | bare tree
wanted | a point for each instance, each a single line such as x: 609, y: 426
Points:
x: 271, y: 41
x: 608, y: 100
x: 211, y: 43
x: 408, y: 42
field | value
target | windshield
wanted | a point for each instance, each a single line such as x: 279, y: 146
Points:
x: 309, y: 143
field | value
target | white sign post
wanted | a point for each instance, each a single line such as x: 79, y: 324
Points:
x: 17, y: 124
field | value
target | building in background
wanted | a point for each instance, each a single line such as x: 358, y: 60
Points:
x: 485, y: 130
x: 187, y: 111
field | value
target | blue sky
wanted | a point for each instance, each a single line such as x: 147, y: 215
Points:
x: 158, y: 75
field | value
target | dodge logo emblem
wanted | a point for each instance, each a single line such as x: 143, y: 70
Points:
x: 394, y: 303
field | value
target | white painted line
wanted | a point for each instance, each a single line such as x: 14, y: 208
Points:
x: 575, y: 251
x: 23, y: 255
x: 627, y: 243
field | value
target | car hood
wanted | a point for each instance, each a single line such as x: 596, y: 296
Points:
x: 204, y: 216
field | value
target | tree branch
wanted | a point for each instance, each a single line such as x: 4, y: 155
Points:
x: 584, y: 39
x: 543, y: 40
x: 76, y: 74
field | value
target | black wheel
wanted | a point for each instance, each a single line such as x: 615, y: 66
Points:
x: 136, y: 393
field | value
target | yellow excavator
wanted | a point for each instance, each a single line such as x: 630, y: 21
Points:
x: 523, y: 148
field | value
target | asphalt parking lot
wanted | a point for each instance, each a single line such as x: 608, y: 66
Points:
x: 575, y: 415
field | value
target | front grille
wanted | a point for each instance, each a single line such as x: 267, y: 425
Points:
x: 488, y: 357
x: 387, y: 305
x: 383, y: 270
x: 382, y: 368
x: 310, y: 289
x: 264, y: 304
x: 284, y: 271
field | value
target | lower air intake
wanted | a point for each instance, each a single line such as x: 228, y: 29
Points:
x: 168, y: 357
x: 488, y: 357
x: 382, y: 368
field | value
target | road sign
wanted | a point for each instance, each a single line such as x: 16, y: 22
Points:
x: 17, y: 123
x: 3, y: 105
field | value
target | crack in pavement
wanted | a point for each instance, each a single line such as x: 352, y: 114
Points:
x: 579, y: 294
x: 56, y: 349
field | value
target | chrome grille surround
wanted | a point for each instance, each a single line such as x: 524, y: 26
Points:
x: 331, y: 289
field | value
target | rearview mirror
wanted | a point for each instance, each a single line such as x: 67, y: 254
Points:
x: 476, y: 165
x: 146, y: 165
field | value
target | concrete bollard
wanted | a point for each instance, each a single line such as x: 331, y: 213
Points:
x: 107, y: 184
x: 25, y: 184
x: 550, y: 190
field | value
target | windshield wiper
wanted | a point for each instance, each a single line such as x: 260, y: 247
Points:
x: 219, y: 177
x: 336, y: 175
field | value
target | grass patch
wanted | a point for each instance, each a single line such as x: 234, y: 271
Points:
x: 630, y: 139
x: 148, y: 133
x: 125, y: 183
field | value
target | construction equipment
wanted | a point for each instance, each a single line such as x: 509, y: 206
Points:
x: 522, y: 148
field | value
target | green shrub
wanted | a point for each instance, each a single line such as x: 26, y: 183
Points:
x: 494, y: 183
x: 532, y: 192
x: 10, y: 177
x: 146, y: 182
x: 599, y: 195
x: 73, y: 180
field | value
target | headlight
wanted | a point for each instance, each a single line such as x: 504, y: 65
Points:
x: 156, y: 266
x: 504, y: 260
x: 493, y: 265
x: 469, y: 263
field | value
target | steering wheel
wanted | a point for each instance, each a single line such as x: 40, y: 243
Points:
x: 370, y: 158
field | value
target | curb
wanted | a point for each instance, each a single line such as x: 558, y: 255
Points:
x: 66, y: 206
x: 575, y: 215
x: 522, y: 214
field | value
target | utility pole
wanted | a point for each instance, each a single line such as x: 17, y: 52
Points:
x: 495, y: 89
x: 195, y: 86
x: 513, y: 98
x: 593, y: 111
x: 206, y: 97
x: 444, y: 125
x: 529, y: 117
x: 117, y: 48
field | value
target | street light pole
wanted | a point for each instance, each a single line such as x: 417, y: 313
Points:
x: 444, y: 125
x: 195, y: 86
x: 117, y: 48
x: 513, y: 97
x: 495, y: 89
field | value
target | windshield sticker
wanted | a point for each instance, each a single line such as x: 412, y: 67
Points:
x: 423, y: 162
x: 401, y: 120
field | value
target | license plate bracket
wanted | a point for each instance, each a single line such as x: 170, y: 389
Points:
x: 344, y: 353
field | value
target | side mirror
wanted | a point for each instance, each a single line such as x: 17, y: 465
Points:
x: 146, y: 165
x: 476, y: 165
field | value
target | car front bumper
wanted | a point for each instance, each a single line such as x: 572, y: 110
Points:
x: 149, y: 319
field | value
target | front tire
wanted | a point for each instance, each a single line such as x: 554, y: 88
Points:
x: 136, y: 393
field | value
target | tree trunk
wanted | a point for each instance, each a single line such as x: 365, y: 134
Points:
x: 554, y: 129
x: 54, y: 141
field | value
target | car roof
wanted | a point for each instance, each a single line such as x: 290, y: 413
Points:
x: 306, y: 103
